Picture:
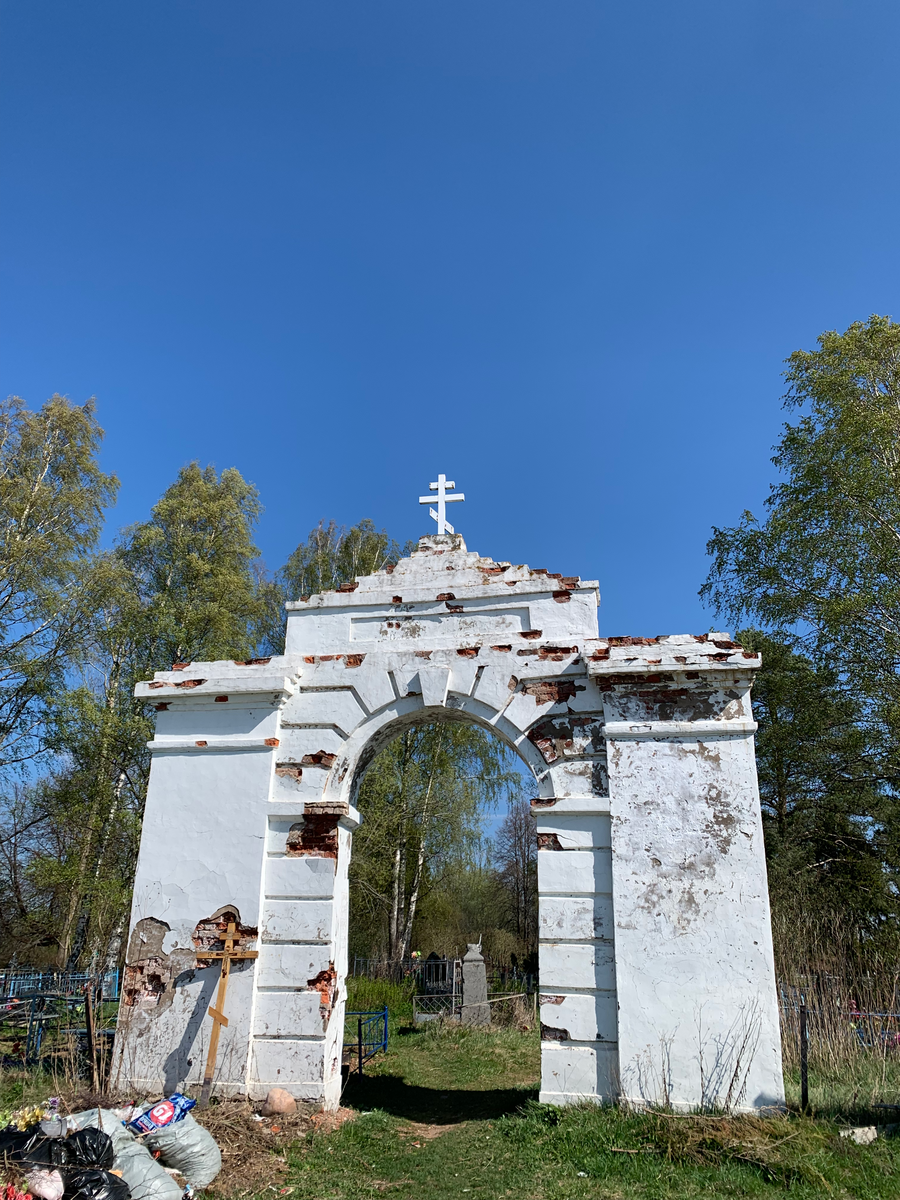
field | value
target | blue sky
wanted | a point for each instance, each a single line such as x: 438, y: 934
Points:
x: 556, y: 250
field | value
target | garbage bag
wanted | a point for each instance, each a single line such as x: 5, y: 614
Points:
x: 90, y: 1147
x: 32, y: 1148
x: 47, y: 1185
x: 146, y: 1179
x: 162, y: 1114
x: 189, y: 1148
x: 92, y: 1184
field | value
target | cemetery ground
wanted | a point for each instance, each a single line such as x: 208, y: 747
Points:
x: 452, y: 1113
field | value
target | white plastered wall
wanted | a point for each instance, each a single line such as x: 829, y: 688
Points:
x: 250, y: 805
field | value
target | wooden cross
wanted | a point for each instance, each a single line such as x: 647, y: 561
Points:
x: 225, y: 957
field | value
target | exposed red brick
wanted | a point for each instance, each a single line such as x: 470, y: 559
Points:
x: 562, y: 597
x: 316, y: 836
x: 157, y: 684
x: 397, y: 600
x: 423, y: 654
x: 289, y: 770
x: 468, y: 651
x: 321, y: 758
x: 180, y: 666
x: 201, y: 743
x: 221, y: 699
x: 532, y: 633
x: 189, y: 683
x: 325, y: 984
x: 271, y: 741
x: 556, y: 653
x: 446, y: 596
x: 504, y: 649
x: 353, y: 660
x: 547, y: 691
x: 548, y: 841
x: 348, y: 587
x: 209, y: 934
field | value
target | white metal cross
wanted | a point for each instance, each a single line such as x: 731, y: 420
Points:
x: 443, y: 525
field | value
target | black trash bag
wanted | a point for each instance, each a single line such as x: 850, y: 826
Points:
x: 94, y: 1185
x: 89, y: 1148
x: 32, y: 1148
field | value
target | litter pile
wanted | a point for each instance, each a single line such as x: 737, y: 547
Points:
x: 139, y: 1152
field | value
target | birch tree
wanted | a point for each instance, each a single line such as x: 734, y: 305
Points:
x: 423, y: 798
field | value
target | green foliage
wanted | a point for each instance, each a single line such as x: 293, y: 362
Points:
x: 820, y: 803
x: 192, y: 568
x: 330, y: 556
x: 52, y: 500
x: 422, y: 797
x: 177, y: 587
x: 823, y: 565
x: 821, y: 573
x: 368, y: 995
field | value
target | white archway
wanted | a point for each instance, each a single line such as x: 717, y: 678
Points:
x: 652, y: 887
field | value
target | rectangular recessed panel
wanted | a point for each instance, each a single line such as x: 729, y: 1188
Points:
x: 573, y: 1073
x: 471, y: 623
x: 291, y: 966
x: 569, y: 965
x: 297, y: 920
x: 576, y: 918
x: 281, y: 1062
x: 288, y: 1014
x: 574, y: 871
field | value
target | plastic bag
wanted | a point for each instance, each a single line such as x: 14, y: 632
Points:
x: 95, y: 1185
x: 190, y: 1149
x: 48, y: 1185
x: 90, y: 1147
x: 162, y: 1114
x: 30, y: 1147
x: 146, y: 1179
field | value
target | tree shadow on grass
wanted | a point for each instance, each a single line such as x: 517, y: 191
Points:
x: 394, y: 1095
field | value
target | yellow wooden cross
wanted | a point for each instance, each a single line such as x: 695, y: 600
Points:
x: 225, y: 957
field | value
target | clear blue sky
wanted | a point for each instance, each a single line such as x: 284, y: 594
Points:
x: 557, y: 250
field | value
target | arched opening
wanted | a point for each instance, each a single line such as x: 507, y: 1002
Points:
x: 446, y: 854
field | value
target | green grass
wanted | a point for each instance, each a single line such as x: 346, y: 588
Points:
x: 366, y: 995
x: 849, y: 1091
x: 451, y: 1114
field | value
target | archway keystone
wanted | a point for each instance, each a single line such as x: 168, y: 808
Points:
x: 656, y: 965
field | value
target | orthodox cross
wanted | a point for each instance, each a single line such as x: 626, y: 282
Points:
x: 443, y: 525
x: 230, y: 953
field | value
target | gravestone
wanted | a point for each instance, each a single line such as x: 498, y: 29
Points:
x: 475, y: 1009
x: 656, y: 966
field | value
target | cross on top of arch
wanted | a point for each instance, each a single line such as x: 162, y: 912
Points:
x: 443, y: 525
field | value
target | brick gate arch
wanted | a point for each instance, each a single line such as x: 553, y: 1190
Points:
x: 652, y: 891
